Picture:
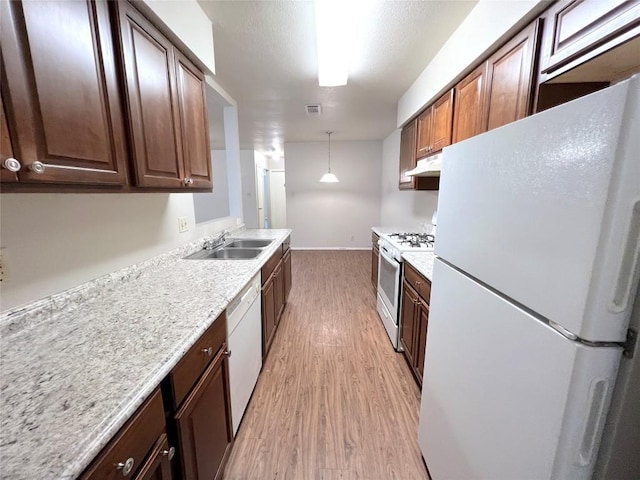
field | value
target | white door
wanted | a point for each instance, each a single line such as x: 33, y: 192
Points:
x: 260, y: 180
x: 277, y: 197
x: 547, y: 211
x: 505, y: 396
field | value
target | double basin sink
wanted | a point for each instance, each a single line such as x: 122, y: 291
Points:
x: 236, y: 249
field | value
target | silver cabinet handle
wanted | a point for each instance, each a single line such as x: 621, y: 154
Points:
x: 126, y: 467
x: 208, y: 351
x: 37, y: 167
x: 11, y: 164
x: 169, y: 453
x: 418, y: 283
x: 227, y: 353
x: 188, y: 181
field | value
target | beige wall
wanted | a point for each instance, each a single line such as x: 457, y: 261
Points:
x: 404, y: 209
x: 52, y: 242
x: 332, y: 215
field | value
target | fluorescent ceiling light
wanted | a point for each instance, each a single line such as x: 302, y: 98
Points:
x: 336, y: 34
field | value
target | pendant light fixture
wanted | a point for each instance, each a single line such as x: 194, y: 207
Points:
x: 329, y: 177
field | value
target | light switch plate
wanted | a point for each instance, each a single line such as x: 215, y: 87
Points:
x: 183, y: 224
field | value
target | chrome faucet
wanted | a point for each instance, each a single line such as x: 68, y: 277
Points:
x: 216, y: 241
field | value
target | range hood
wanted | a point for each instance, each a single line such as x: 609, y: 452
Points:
x: 427, y: 167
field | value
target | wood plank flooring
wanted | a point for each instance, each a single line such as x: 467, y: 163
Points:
x: 334, y: 400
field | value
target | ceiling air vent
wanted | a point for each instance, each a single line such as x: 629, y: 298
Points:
x: 314, y: 110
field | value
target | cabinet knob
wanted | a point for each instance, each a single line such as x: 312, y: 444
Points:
x: 37, y: 167
x: 125, y: 467
x: 188, y: 181
x: 227, y: 353
x: 418, y: 283
x: 208, y: 351
x: 169, y: 453
x: 11, y: 164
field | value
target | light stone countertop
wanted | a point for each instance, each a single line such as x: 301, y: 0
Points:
x: 75, y: 366
x: 422, y: 262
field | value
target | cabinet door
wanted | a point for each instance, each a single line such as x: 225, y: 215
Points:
x: 152, y: 101
x: 375, y: 252
x: 424, y: 134
x: 61, y: 92
x: 204, y: 424
x: 577, y: 30
x: 279, y: 291
x: 442, y: 122
x: 158, y: 465
x: 408, y: 322
x: 510, y: 78
x: 193, y: 122
x: 407, y: 155
x: 286, y: 265
x: 422, y: 323
x: 268, y: 314
x: 6, y: 149
x: 469, y: 106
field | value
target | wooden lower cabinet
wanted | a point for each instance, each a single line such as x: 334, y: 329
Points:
x: 276, y: 285
x: 375, y: 254
x: 409, y: 319
x: 158, y: 466
x: 414, y: 320
x: 204, y: 425
x: 286, y: 267
x: 268, y: 314
x: 139, y: 450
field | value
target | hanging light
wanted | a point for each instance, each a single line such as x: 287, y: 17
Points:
x: 329, y: 177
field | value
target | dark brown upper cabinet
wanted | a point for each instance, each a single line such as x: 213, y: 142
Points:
x: 166, y: 108
x: 60, y: 93
x: 469, y: 110
x: 576, y: 31
x: 510, y: 74
x: 435, y: 126
x: 407, y: 155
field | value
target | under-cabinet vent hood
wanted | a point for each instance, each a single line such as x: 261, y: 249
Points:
x: 427, y: 167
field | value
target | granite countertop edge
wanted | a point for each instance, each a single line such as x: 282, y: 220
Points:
x: 422, y: 262
x: 42, y: 455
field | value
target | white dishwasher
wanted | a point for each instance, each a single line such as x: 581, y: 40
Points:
x: 244, y: 339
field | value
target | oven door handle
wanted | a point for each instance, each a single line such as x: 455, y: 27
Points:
x: 388, y: 258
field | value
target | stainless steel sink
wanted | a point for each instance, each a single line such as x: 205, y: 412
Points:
x: 225, y: 254
x: 248, y: 243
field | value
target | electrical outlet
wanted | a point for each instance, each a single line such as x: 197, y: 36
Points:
x: 353, y: 237
x: 183, y: 224
x: 3, y: 268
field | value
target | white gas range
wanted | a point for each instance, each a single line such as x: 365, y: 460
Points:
x: 392, y: 246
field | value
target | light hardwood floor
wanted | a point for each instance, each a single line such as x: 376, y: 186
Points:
x: 334, y: 400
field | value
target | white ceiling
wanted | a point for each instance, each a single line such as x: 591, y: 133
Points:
x: 266, y: 60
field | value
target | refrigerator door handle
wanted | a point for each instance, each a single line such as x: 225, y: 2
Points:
x: 593, y: 419
x: 629, y: 263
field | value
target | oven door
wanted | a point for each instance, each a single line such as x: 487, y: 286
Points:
x: 389, y: 283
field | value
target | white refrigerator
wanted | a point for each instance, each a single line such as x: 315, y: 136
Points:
x: 533, y: 287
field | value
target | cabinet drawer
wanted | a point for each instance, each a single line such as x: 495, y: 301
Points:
x: 133, y: 443
x: 270, y: 266
x: 374, y: 238
x: 417, y: 281
x: 286, y: 245
x: 194, y: 363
